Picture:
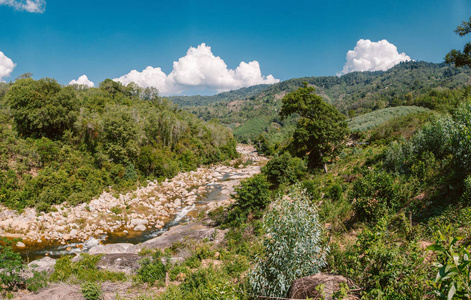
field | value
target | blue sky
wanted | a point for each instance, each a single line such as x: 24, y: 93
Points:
x: 107, y: 39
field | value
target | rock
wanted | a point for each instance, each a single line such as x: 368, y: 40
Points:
x: 177, y: 202
x: 140, y: 228
x: 305, y: 287
x: 45, y: 264
x: 135, y: 222
x: 118, y: 248
x: 66, y: 237
x: 127, y: 263
x: 195, y: 231
x: 20, y: 245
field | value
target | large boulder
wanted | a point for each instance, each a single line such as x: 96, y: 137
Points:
x: 45, y: 264
x: 127, y: 263
x: 119, y: 248
x: 305, y: 287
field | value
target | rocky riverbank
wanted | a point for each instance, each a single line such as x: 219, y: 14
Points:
x: 144, y: 208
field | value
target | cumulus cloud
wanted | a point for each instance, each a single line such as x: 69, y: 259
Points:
x: 33, y: 6
x: 6, y: 66
x: 82, y: 80
x: 373, y: 56
x: 199, y: 68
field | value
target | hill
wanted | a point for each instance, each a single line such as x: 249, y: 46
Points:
x: 435, y: 86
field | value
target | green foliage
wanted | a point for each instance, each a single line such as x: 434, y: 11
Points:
x: 292, y: 248
x: 206, y: 283
x: 42, y: 108
x: 252, y: 196
x: 284, y: 169
x: 461, y: 58
x: 152, y: 270
x: 378, y: 193
x: 91, y: 291
x: 438, y: 86
x: 83, y: 270
x: 262, y: 145
x: 11, y: 265
x: 69, y: 143
x: 384, y: 266
x: 453, y: 280
x: 375, y: 118
x: 320, y: 131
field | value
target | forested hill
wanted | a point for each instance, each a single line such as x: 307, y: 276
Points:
x: 410, y: 83
x: 239, y: 94
x: 66, y: 144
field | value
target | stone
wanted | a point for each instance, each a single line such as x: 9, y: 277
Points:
x: 127, y: 263
x: 20, y: 245
x: 140, y: 228
x: 177, y: 202
x: 66, y: 237
x: 118, y: 248
x: 305, y: 287
x: 135, y: 222
x: 45, y: 264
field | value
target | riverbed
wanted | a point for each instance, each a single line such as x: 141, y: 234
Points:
x: 134, y: 217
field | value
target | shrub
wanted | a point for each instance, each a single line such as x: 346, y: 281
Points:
x: 91, y: 291
x: 284, y: 169
x: 377, y: 193
x: 152, y: 270
x: 11, y: 265
x: 382, y: 266
x: 453, y: 280
x: 293, y: 246
x: 252, y: 195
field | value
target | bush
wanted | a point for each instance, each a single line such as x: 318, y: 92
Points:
x: 284, y: 169
x: 11, y: 265
x: 293, y: 246
x: 91, y: 291
x: 152, y: 270
x: 382, y: 266
x: 252, y: 196
x: 378, y: 193
x: 453, y: 280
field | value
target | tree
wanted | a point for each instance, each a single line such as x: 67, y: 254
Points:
x: 320, y: 131
x: 461, y: 58
x: 42, y: 107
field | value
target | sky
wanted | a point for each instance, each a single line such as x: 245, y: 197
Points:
x: 204, y: 47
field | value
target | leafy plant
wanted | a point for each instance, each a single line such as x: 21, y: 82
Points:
x: 453, y: 280
x: 91, y: 291
x: 252, y: 195
x: 152, y: 270
x: 11, y: 265
x: 293, y: 247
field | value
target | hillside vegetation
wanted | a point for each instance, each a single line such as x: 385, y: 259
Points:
x: 434, y: 86
x: 66, y: 144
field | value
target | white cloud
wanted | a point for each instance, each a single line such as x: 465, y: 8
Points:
x: 33, y: 6
x: 82, y: 80
x: 199, y: 68
x: 373, y: 56
x: 6, y: 66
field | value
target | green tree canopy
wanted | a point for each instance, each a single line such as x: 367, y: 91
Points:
x: 461, y: 58
x: 42, y: 107
x: 321, y: 129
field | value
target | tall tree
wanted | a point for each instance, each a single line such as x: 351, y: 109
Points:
x: 42, y: 107
x: 320, y: 131
x: 461, y: 58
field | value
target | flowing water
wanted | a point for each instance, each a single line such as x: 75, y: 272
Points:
x: 184, y: 214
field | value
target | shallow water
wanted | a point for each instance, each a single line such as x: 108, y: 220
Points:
x: 184, y: 214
